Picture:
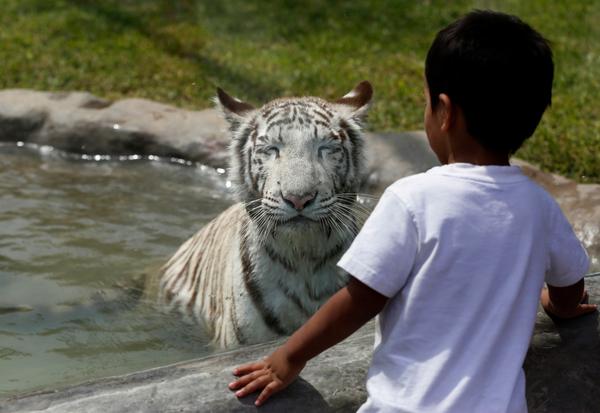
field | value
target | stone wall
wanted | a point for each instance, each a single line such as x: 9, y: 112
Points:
x: 82, y: 123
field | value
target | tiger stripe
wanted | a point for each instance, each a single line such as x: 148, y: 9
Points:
x: 286, y: 264
x: 294, y: 297
x: 254, y: 291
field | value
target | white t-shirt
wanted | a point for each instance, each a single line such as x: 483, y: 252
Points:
x: 462, y: 252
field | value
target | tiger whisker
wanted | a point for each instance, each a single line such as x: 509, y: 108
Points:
x: 354, y: 208
x: 356, y: 213
x: 348, y: 221
x: 335, y: 223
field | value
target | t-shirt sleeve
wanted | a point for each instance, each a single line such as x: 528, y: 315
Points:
x: 568, y: 261
x: 384, y: 251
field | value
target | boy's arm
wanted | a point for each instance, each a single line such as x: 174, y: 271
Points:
x: 567, y: 302
x: 344, y: 313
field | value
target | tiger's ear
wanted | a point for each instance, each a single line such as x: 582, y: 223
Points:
x: 358, y: 100
x: 234, y: 110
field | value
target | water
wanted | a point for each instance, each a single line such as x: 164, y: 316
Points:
x: 71, y: 232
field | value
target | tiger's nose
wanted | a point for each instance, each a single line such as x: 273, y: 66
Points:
x: 299, y: 202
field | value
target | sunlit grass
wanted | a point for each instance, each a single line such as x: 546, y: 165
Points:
x: 179, y: 51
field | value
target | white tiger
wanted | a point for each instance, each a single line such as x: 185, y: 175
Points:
x: 265, y: 265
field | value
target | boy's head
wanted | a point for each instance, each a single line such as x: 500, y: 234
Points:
x: 498, y: 70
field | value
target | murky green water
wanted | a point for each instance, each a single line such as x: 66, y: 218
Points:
x: 71, y: 231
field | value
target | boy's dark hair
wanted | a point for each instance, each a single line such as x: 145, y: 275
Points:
x: 498, y: 70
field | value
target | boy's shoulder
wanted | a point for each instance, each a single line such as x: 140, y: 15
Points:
x: 408, y: 184
x: 440, y: 181
x: 416, y: 184
x: 412, y: 181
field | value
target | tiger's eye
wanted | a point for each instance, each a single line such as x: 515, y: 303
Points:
x: 272, y: 150
x: 328, y: 150
x: 323, y: 150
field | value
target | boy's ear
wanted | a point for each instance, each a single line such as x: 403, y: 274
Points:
x: 357, y: 100
x: 234, y: 110
x: 445, y: 112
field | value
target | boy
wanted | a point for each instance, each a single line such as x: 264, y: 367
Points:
x: 453, y: 260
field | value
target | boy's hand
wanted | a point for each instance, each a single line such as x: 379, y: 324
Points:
x: 566, y: 313
x: 344, y: 313
x: 272, y: 374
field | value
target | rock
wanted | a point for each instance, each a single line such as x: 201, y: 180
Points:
x: 391, y: 156
x: 82, y: 123
x: 563, y: 362
x: 561, y: 370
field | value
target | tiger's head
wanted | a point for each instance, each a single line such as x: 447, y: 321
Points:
x: 297, y: 161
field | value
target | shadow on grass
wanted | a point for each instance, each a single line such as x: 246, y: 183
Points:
x: 383, y: 22
x: 352, y: 28
x: 149, y: 25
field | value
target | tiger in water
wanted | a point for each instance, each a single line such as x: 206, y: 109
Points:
x: 262, y: 267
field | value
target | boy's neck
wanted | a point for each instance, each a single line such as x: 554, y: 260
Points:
x: 463, y: 148
x: 483, y: 159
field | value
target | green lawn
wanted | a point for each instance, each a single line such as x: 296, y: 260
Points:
x: 177, y: 51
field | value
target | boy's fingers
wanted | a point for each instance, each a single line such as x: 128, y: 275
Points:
x: 587, y: 308
x: 248, y: 368
x: 267, y: 392
x: 244, y: 380
x: 253, y: 386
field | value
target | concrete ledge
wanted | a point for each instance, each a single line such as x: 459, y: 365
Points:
x: 563, y: 363
x: 562, y: 377
x: 82, y: 123
x: 334, y: 381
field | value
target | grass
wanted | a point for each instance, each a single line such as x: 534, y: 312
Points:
x: 179, y: 51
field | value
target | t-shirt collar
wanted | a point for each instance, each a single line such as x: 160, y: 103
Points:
x: 484, y: 173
